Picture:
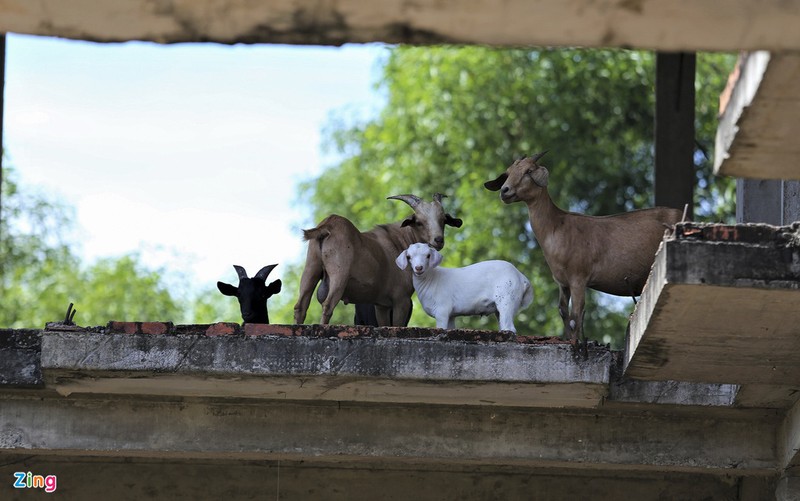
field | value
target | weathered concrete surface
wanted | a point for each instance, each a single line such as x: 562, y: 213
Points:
x: 767, y: 396
x: 20, y: 353
x: 137, y: 479
x: 725, y: 440
x: 789, y: 440
x: 366, y: 368
x: 722, y: 305
x: 656, y: 24
x: 757, y: 130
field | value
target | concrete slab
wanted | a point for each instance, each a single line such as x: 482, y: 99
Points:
x: 722, y: 305
x: 718, y: 441
x: 367, y: 367
x: 671, y: 25
x: 755, y: 137
x: 135, y: 479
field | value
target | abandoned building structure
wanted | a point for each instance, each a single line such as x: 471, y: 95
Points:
x: 703, y: 403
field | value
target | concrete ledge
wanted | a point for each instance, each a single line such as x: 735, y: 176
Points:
x: 755, y: 137
x: 743, y: 442
x: 332, y: 363
x: 722, y: 305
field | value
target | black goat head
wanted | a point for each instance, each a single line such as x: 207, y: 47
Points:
x: 252, y: 293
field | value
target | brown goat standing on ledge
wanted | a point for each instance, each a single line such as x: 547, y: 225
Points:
x: 359, y: 267
x: 611, y: 254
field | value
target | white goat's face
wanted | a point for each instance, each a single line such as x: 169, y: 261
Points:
x: 420, y: 258
x: 524, y: 181
x: 428, y: 220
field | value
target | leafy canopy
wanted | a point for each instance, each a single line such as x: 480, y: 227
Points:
x: 458, y: 116
x: 40, y: 274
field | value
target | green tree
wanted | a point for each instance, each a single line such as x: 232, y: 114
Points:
x: 40, y: 275
x: 458, y: 116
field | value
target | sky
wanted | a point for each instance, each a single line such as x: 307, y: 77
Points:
x: 187, y: 153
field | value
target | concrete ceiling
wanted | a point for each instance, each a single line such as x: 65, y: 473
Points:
x: 651, y: 24
x: 755, y: 143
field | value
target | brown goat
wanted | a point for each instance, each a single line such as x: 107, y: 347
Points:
x: 611, y: 254
x: 359, y: 267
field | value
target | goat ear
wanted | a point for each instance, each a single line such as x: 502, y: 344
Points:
x: 452, y: 221
x: 227, y: 289
x: 436, y: 258
x: 408, y: 221
x: 540, y: 176
x: 274, y: 287
x: 497, y: 183
x: 401, y: 261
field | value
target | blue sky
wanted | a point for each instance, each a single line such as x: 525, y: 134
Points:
x: 188, y: 153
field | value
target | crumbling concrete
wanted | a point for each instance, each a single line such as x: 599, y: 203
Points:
x: 721, y: 305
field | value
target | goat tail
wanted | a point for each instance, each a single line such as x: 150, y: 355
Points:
x: 317, y: 233
x: 527, y: 296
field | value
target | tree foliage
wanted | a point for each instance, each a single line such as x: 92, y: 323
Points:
x: 458, y: 116
x: 40, y: 274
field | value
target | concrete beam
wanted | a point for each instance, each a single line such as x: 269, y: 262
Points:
x: 135, y: 479
x: 368, y: 368
x: 756, y: 134
x: 722, y: 305
x: 767, y: 396
x: 670, y: 25
x: 674, y: 131
x: 737, y: 441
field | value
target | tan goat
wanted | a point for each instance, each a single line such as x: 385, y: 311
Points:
x: 611, y: 254
x: 358, y: 267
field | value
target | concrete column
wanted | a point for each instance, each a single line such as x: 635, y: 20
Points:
x: 674, y: 130
x: 767, y: 201
x: 2, y: 105
x: 788, y: 488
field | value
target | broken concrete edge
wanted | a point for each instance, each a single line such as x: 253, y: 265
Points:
x: 311, y: 330
x: 305, y: 356
x: 747, y: 234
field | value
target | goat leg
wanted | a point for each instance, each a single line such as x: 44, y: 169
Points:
x: 575, y: 323
x: 563, y: 307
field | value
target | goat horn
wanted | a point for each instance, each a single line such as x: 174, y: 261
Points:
x: 240, y: 271
x: 539, y: 155
x: 437, y: 197
x: 263, y: 273
x: 411, y: 200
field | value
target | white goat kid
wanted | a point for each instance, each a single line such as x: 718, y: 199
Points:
x: 478, y: 289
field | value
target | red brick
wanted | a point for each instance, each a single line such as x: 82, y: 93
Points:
x: 123, y: 327
x: 156, y: 327
x: 258, y: 329
x: 349, y: 333
x: 222, y: 329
